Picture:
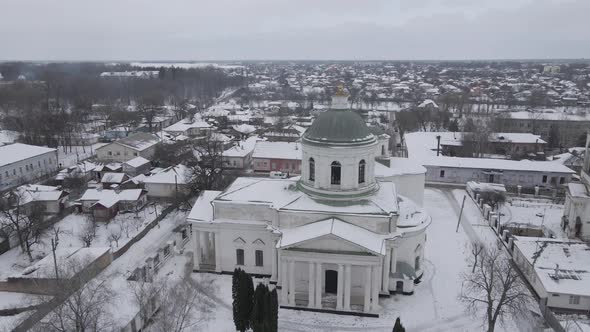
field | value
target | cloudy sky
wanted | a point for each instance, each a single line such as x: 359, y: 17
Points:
x: 293, y: 29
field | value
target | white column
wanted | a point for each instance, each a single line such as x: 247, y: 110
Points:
x: 311, y: 285
x: 292, y: 283
x: 284, y: 281
x: 217, y: 243
x: 367, y: 304
x: 347, y: 269
x: 197, y: 252
x: 318, y: 285
x: 393, y: 260
x: 340, y: 289
x: 385, y: 277
x: 273, y: 276
x: 375, y: 288
x: 205, y: 242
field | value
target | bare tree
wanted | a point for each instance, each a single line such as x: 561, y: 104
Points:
x: 206, y: 168
x: 86, y: 300
x: 494, y: 290
x: 477, y: 249
x: 182, y: 307
x: 88, y: 233
x: 125, y: 226
x: 22, y: 218
x: 115, y: 233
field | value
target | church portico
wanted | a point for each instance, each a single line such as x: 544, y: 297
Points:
x: 323, y: 281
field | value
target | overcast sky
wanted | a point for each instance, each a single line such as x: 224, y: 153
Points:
x: 293, y: 29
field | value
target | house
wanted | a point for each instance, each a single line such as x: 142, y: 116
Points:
x: 104, y: 204
x: 277, y: 156
x: 113, y: 180
x: 240, y: 156
x: 527, y: 174
x: 168, y: 183
x: 136, y: 166
x: 558, y: 270
x: 139, y: 144
x: 52, y: 199
x: 576, y: 215
x: 189, y: 127
x: 332, y: 240
x: 23, y: 163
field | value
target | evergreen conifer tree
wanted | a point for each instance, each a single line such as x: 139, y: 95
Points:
x: 273, y: 317
x: 259, y: 316
x: 398, y: 327
x: 235, y: 289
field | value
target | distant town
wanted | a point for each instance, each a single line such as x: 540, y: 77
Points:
x: 295, y: 195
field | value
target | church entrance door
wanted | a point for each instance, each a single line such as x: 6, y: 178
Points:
x: 331, y: 281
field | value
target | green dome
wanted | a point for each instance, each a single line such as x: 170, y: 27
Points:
x: 339, y: 127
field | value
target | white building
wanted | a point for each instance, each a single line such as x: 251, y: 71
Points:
x: 334, y: 239
x: 576, y: 216
x: 558, y: 271
x: 168, y: 183
x: 22, y: 163
x: 136, y: 145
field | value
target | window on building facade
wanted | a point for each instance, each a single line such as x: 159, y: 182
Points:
x: 574, y: 299
x: 311, y: 169
x: 561, y: 180
x: 239, y: 256
x: 442, y: 173
x: 417, y: 263
x: 259, y: 256
x: 362, y: 165
x: 544, y: 178
x: 335, y: 173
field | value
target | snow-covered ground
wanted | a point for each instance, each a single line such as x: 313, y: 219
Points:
x: 72, y: 156
x: 433, y: 307
x: 14, y: 261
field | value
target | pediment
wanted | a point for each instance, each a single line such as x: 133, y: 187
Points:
x: 331, y: 243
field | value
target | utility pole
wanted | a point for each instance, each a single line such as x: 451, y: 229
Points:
x: 461, y: 213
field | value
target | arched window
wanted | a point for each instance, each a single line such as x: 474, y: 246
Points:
x: 362, y: 165
x: 382, y: 150
x: 417, y: 263
x: 311, y: 169
x: 335, y: 173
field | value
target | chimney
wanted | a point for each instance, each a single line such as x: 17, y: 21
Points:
x: 556, y: 272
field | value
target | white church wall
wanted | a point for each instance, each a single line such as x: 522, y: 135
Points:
x: 348, y: 157
x: 409, y: 185
x: 240, y: 211
x: 330, y: 243
x: 230, y: 242
x: 411, y: 246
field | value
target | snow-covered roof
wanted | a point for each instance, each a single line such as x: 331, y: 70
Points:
x: 243, y: 149
x: 112, y: 177
x: 277, y: 150
x: 137, y: 162
x: 398, y: 166
x: 139, y: 141
x: 499, y: 164
x: 171, y: 175
x: 569, y: 258
x: 184, y: 125
x: 12, y: 153
x: 38, y: 193
x: 202, y: 209
x: 428, y: 102
x: 284, y: 194
x: 333, y: 226
x: 578, y: 190
x: 108, y: 195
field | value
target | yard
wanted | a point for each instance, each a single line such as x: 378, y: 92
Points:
x: 123, y: 227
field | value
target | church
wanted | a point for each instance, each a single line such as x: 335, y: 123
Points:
x: 334, y: 239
